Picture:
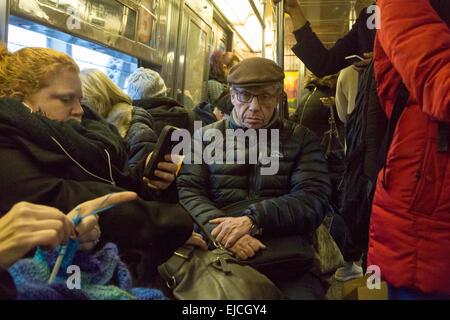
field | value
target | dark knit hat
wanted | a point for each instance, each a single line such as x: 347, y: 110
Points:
x: 255, y: 72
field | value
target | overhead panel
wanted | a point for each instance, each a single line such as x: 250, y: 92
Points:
x: 241, y: 15
x: 129, y: 26
x: 203, y: 9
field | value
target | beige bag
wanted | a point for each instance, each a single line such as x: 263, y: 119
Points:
x: 327, y: 255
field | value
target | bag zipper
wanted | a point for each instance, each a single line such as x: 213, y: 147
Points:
x: 84, y: 169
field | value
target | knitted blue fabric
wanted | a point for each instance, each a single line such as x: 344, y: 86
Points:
x: 103, y: 276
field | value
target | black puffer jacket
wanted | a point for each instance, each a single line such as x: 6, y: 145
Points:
x: 299, y: 192
x: 312, y: 113
x: 62, y: 164
x: 167, y: 111
x: 205, y: 111
x: 140, y: 136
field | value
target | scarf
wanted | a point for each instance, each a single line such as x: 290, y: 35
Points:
x: 86, y: 142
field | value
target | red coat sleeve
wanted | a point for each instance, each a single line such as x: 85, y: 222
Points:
x: 417, y: 43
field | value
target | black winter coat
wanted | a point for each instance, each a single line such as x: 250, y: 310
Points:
x: 295, y: 199
x: 62, y: 164
x: 140, y: 136
x: 205, y: 111
x: 167, y: 111
x: 321, y: 61
x: 312, y: 114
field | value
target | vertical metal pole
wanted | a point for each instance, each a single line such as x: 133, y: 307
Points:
x: 4, y: 21
x: 263, y: 45
x: 283, y: 108
x: 280, y: 34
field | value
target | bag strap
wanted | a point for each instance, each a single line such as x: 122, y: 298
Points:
x: 332, y: 133
x: 202, y: 228
x: 168, y: 269
x: 399, y: 106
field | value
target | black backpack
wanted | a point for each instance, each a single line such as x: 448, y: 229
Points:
x: 366, y: 127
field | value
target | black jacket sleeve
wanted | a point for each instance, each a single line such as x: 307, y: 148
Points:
x: 323, y: 62
x: 193, y: 182
x: 141, y: 136
x: 303, y: 208
x: 142, y: 141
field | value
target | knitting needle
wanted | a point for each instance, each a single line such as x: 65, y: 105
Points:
x: 76, y: 222
x: 57, y: 264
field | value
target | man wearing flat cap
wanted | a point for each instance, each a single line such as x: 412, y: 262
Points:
x: 236, y: 200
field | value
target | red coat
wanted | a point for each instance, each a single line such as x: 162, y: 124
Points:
x: 410, y: 223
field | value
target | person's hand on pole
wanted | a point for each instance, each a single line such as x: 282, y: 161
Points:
x: 292, y: 8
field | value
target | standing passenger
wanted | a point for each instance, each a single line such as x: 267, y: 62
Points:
x: 410, y: 223
x: 321, y: 61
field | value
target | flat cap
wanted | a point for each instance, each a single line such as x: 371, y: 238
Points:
x: 255, y: 72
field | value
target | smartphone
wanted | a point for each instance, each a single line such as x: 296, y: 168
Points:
x: 163, y: 146
x: 353, y: 59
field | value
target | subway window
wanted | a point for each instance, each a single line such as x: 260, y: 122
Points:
x: 118, y: 66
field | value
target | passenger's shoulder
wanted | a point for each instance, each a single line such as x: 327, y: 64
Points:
x: 297, y: 132
x: 220, y: 125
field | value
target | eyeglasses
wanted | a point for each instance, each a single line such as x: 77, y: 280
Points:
x: 247, y: 97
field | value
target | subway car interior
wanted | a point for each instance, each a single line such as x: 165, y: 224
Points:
x: 314, y: 196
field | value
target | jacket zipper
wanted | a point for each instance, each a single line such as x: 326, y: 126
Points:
x: 252, y: 183
x: 84, y: 169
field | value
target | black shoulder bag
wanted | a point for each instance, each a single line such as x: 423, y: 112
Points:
x: 194, y: 274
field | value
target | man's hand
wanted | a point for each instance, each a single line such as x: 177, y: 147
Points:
x: 289, y: 5
x: 362, y: 65
x: 230, y: 229
x: 292, y: 8
x: 167, y: 171
x: 246, y: 247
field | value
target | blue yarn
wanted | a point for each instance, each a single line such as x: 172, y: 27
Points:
x: 69, y: 250
x: 103, y: 277
x: 104, y: 267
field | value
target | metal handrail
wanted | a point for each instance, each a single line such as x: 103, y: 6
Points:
x: 280, y: 34
x: 257, y: 14
x: 4, y: 18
